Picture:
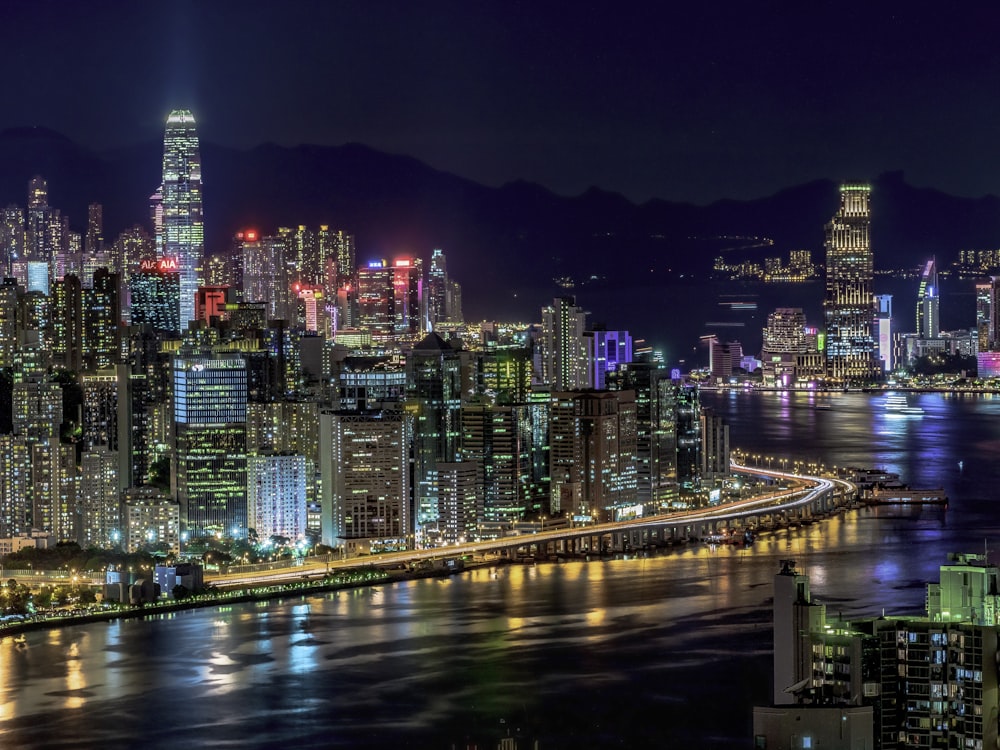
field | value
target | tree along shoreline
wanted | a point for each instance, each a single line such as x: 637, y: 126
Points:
x: 215, y: 597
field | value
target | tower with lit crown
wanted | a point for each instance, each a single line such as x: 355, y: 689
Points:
x: 183, y: 233
x: 849, y: 307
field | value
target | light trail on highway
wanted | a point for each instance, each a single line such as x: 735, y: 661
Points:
x: 814, y: 489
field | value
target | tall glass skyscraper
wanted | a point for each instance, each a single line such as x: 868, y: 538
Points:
x: 929, y: 303
x: 210, y: 430
x: 183, y: 233
x: 849, y: 307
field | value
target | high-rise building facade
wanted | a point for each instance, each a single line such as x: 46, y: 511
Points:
x: 984, y: 298
x: 592, y: 455
x: 150, y: 519
x: 883, y: 326
x: 849, y: 307
x: 408, y: 296
x: 182, y: 227
x: 437, y: 289
x: 460, y: 501
x: 562, y: 349
x: 210, y: 415
x: 375, y: 298
x: 94, y: 240
x: 606, y: 352
x: 496, y: 439
x: 687, y: 420
x: 12, y: 238
x: 929, y: 303
x: 101, y: 344
x: 100, y: 501
x: 276, y: 495
x: 434, y: 373
x: 155, y: 291
x: 656, y: 438
x: 364, y: 465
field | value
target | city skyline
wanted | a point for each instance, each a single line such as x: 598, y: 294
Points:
x: 691, y: 104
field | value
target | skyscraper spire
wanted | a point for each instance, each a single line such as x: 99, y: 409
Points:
x: 183, y: 233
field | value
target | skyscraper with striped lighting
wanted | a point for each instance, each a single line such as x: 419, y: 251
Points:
x: 849, y: 307
x: 183, y: 233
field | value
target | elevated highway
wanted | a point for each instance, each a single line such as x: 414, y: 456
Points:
x: 806, y: 498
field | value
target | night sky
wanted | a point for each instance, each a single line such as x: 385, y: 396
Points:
x: 684, y: 101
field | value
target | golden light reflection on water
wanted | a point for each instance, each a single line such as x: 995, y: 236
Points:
x: 7, y: 656
x: 596, y: 617
x: 75, y: 681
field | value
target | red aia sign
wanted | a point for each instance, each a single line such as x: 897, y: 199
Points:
x: 163, y: 265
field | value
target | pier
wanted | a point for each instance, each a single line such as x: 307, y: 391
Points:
x: 905, y: 496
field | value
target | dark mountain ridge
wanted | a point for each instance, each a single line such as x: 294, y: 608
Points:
x: 498, y: 240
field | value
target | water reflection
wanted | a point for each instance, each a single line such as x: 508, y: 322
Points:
x: 581, y: 653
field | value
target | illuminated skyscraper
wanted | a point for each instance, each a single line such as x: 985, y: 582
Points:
x: 155, y: 292
x: 12, y: 238
x: 94, y: 241
x: 376, y: 303
x: 408, y: 296
x: 460, y: 501
x: 563, y: 349
x: 346, y: 266
x: 785, y: 333
x: 929, y: 303
x: 9, y: 349
x: 265, y: 271
x: 15, y: 485
x: 884, y: 326
x: 100, y: 504
x: 149, y: 518
x: 182, y: 229
x: 496, y: 440
x: 55, y: 485
x: 434, y: 372
x: 437, y: 289
x: 65, y: 333
x: 276, y: 495
x: 687, y: 420
x: 606, y: 351
x: 101, y: 321
x: 592, y: 455
x: 210, y: 415
x: 656, y: 433
x: 850, y: 305
x: 364, y: 465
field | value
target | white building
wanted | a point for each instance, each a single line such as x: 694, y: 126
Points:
x: 276, y: 495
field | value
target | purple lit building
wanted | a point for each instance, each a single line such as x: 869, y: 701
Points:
x: 988, y: 364
x: 606, y: 350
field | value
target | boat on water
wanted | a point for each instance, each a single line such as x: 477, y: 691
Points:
x: 897, y: 403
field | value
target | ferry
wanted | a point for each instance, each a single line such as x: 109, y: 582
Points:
x: 897, y: 403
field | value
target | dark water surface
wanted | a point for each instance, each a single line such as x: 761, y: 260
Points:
x: 667, y: 651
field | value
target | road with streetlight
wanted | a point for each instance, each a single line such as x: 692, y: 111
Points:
x: 808, y: 490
